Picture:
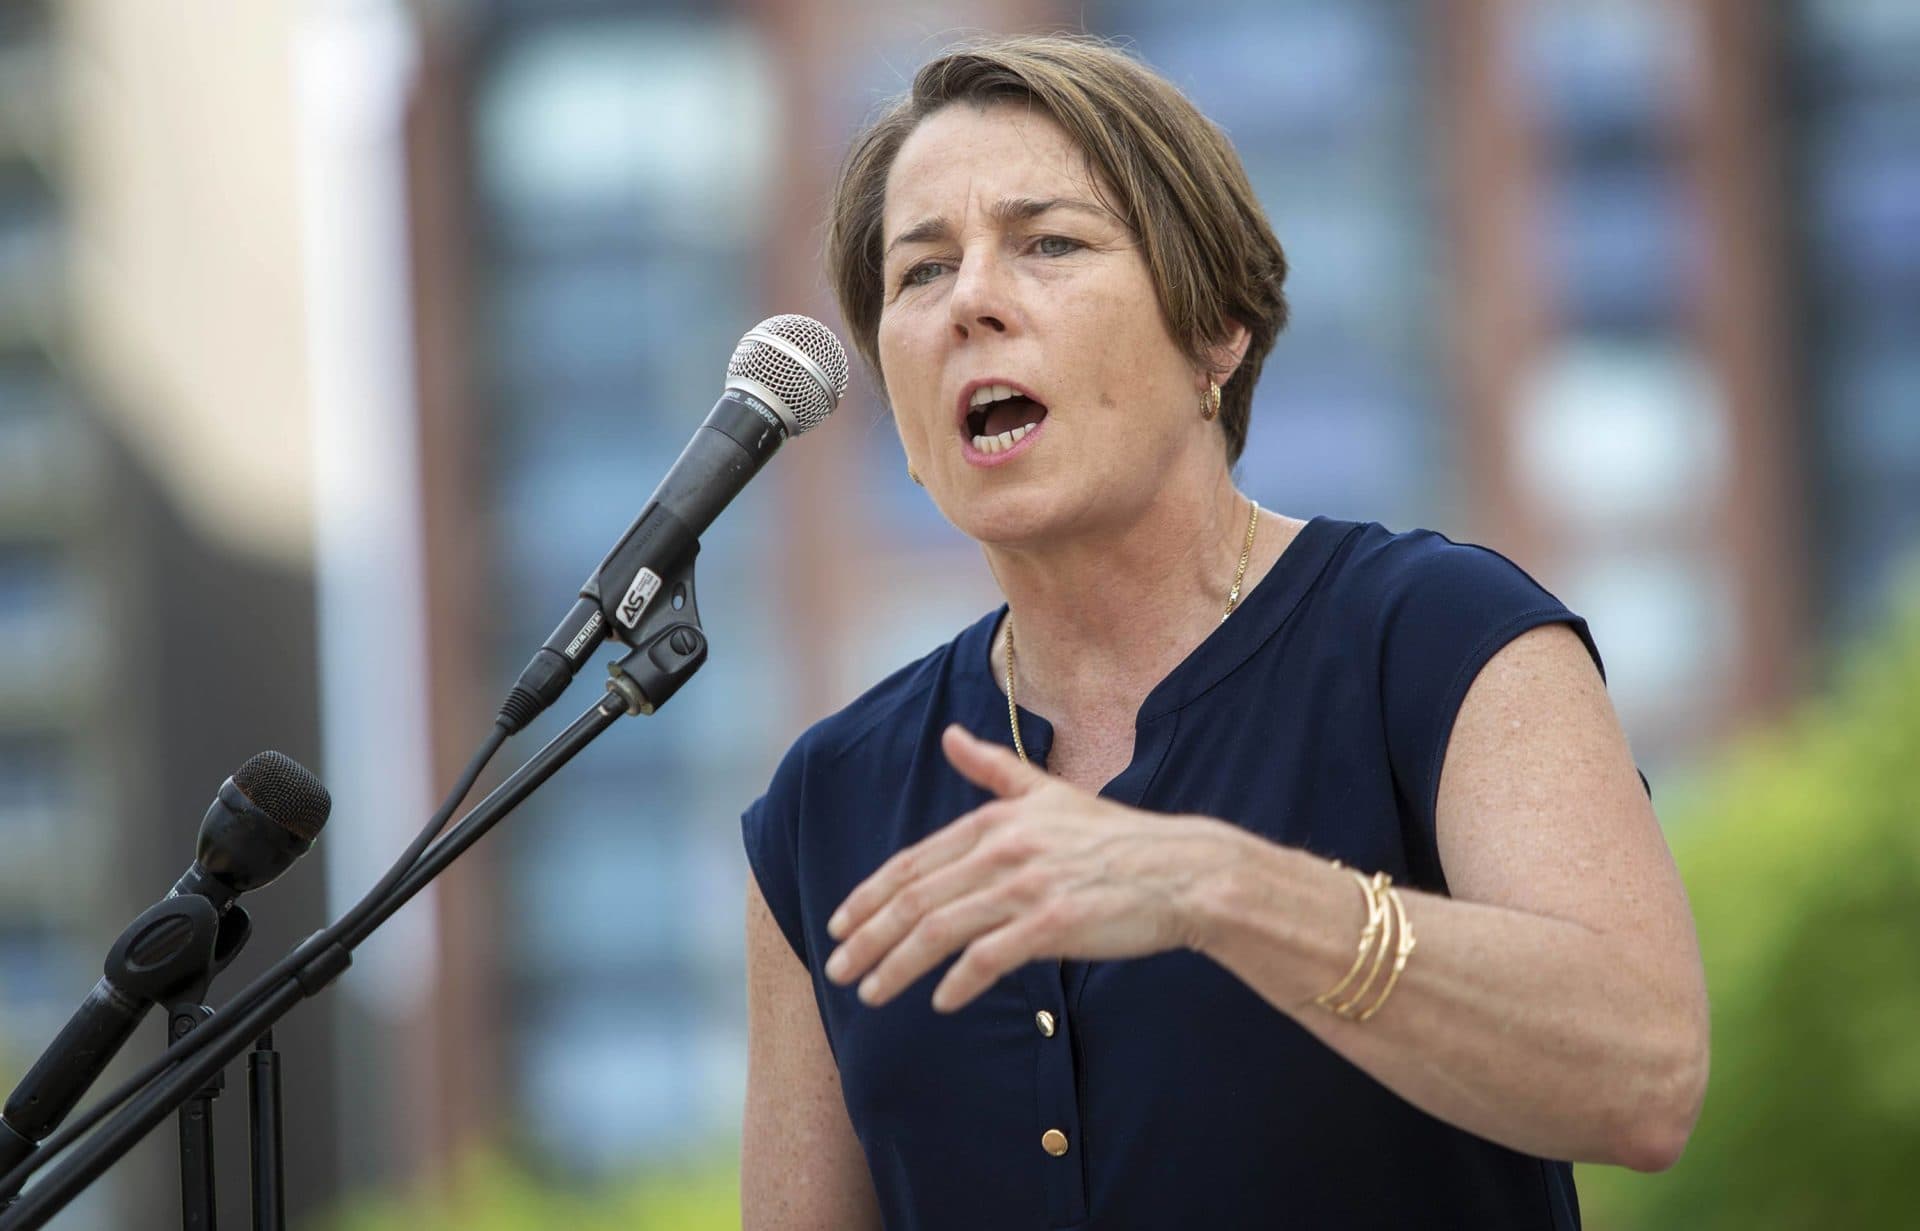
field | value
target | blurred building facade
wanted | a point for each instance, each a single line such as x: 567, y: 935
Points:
x: 51, y: 752
x: 1625, y: 289
x: 157, y: 604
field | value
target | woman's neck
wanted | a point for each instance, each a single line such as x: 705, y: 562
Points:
x: 1101, y: 618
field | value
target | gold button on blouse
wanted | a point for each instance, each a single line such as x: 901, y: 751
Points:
x: 1044, y: 1020
x: 1054, y: 1142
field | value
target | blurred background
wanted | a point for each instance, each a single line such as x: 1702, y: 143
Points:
x: 339, y: 338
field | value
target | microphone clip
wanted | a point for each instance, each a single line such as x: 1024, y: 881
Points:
x: 668, y: 647
x: 168, y: 955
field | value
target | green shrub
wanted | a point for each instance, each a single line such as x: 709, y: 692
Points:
x: 1801, y: 853
x: 488, y: 1193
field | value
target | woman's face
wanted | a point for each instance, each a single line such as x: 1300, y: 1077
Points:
x: 1004, y: 272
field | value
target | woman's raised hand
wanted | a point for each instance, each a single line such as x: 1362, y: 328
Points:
x: 1043, y: 870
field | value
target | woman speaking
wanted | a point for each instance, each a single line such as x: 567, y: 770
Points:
x: 1240, y: 871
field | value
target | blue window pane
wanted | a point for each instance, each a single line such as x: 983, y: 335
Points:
x: 40, y: 620
x: 1604, y: 73
x: 1866, y: 190
x: 614, y: 1074
x: 1860, y: 193
x: 1625, y: 252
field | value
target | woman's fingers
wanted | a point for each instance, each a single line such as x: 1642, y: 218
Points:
x: 1022, y: 939
x: 922, y: 858
x: 876, y: 936
x: 984, y: 764
x: 1014, y: 879
x: 933, y: 937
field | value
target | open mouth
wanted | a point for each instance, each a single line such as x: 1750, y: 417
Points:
x: 999, y: 415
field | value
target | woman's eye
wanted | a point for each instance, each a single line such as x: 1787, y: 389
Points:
x: 921, y: 274
x: 1055, y: 245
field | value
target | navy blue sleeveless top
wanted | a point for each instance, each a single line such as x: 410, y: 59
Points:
x: 1317, y: 717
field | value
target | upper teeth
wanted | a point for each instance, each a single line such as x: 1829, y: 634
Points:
x: 992, y: 393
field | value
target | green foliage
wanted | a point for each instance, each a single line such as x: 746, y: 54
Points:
x: 1801, y: 853
x: 487, y: 1193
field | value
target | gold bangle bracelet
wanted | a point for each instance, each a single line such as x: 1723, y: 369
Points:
x: 1376, y: 918
x: 1380, y: 887
x: 1402, y: 952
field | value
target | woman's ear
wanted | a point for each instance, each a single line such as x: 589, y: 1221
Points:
x: 1223, y: 357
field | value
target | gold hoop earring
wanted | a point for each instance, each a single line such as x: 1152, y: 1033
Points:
x: 911, y: 474
x: 1210, y: 402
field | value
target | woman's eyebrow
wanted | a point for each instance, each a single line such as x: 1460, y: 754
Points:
x: 1004, y: 211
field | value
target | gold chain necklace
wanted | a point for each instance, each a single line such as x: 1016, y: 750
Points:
x: 1233, y: 600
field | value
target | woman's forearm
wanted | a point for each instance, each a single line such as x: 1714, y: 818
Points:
x: 1538, y: 1033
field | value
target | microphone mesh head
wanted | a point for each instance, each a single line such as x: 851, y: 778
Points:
x: 286, y: 791
x: 799, y: 361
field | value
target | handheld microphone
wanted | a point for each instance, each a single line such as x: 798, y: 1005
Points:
x: 263, y: 818
x: 785, y: 378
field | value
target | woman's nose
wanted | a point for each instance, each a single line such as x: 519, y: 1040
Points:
x: 979, y: 300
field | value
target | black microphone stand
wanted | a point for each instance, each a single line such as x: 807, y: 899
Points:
x: 670, y: 647
x: 186, y: 1011
x: 197, y: 1203
x: 263, y: 1089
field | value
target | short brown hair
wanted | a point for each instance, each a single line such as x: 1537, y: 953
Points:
x: 1174, y: 177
